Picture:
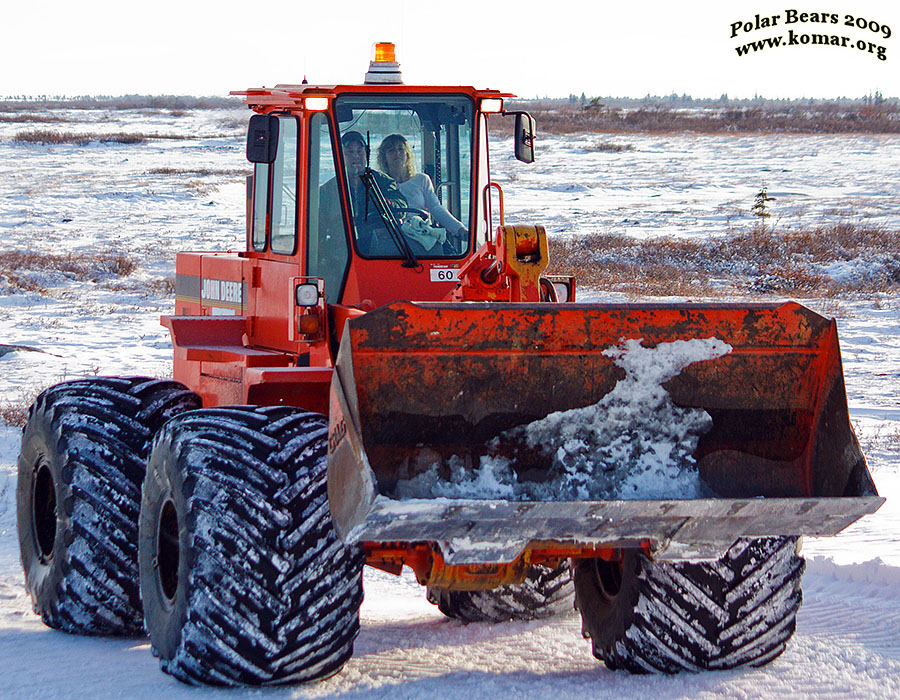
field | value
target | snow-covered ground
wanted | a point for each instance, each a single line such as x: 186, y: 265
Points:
x: 690, y: 185
x: 100, y: 198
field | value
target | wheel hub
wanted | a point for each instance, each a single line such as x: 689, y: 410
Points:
x: 168, y: 552
x: 609, y: 578
x: 44, y: 512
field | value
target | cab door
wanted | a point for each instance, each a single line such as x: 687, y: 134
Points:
x: 327, y: 248
x: 274, y: 237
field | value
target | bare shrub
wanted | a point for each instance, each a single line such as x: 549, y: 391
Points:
x: 48, y: 137
x: 164, y: 286
x: 14, y: 413
x: 790, y: 280
x: 609, y: 147
x: 823, y: 118
x: 117, y: 264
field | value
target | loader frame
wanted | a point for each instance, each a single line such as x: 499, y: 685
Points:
x: 242, y: 336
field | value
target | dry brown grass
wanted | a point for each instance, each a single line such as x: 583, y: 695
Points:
x: 32, y: 118
x: 759, y: 262
x: 201, y: 188
x: 14, y: 411
x: 28, y: 271
x: 52, y: 137
x: 198, y: 172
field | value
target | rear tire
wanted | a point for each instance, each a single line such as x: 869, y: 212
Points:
x: 81, y: 466
x: 544, y: 592
x: 647, y: 616
x: 243, y: 578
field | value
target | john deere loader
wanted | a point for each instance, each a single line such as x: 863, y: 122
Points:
x: 374, y: 381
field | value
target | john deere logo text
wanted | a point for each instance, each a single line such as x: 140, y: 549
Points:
x: 222, y: 290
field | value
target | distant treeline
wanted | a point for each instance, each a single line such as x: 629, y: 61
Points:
x: 873, y: 114
x: 177, y: 102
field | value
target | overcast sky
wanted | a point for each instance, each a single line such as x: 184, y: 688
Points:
x: 552, y: 48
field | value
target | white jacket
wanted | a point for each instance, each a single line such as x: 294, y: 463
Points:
x: 419, y: 194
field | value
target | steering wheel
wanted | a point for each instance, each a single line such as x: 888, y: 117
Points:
x: 421, y: 213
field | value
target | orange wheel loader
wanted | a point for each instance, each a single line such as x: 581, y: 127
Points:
x: 387, y: 376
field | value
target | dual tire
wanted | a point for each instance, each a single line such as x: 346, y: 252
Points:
x: 208, y: 528
x: 81, y: 467
x: 646, y: 616
x: 243, y: 578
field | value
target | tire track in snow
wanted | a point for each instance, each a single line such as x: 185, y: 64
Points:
x: 847, y: 645
x: 853, y: 612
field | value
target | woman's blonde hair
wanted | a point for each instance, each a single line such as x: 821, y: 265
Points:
x: 388, y: 143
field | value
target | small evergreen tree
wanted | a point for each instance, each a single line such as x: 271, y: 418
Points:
x: 760, y: 206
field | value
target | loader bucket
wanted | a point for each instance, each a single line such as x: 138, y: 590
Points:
x: 433, y: 392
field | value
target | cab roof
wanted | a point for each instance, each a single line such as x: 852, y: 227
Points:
x: 290, y: 95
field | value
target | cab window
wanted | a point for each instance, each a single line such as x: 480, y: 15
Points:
x: 407, y: 173
x: 275, y: 194
x: 260, y: 204
x: 284, y: 189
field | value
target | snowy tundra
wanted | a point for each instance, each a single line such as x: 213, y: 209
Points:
x: 151, y: 199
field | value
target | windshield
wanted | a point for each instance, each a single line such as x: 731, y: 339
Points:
x: 414, y: 154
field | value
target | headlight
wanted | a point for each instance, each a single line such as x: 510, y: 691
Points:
x: 306, y: 294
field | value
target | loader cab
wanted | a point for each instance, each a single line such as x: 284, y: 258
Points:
x: 428, y: 218
x: 322, y: 197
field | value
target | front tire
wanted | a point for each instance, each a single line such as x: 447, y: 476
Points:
x: 243, y: 578
x: 647, y: 616
x: 80, y: 471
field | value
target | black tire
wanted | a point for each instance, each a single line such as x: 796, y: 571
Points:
x: 545, y: 592
x: 666, y: 617
x: 81, y: 466
x: 243, y: 578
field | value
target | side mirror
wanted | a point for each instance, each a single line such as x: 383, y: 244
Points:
x: 262, y: 138
x: 525, y: 137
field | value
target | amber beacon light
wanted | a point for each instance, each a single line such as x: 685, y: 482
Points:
x: 384, y: 68
x: 385, y: 53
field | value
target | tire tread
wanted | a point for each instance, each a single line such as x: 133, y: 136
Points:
x: 274, y: 595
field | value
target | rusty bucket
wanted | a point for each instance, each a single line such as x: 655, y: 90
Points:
x: 444, y: 386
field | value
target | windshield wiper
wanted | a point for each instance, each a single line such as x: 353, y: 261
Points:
x: 387, y: 216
